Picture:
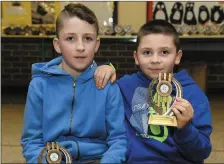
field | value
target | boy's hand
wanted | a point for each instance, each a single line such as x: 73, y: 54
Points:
x: 183, y: 111
x: 103, y: 74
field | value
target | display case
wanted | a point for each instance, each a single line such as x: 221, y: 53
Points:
x: 37, y: 18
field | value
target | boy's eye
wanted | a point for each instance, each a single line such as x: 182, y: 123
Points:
x: 88, y: 38
x: 69, y: 38
x: 147, y: 52
x: 165, y: 52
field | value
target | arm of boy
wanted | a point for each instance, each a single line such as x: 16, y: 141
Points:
x: 116, y: 138
x: 103, y: 74
x: 32, y: 136
x: 193, y: 131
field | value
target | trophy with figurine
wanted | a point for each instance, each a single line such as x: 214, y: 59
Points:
x: 160, y: 91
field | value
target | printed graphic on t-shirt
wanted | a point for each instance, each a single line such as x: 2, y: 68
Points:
x: 140, y: 114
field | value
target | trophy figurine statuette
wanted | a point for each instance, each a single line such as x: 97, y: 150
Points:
x: 54, y: 153
x: 161, y: 101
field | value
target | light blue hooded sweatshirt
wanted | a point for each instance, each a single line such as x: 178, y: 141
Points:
x: 87, y: 121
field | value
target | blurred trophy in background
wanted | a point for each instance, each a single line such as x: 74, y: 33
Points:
x: 128, y: 29
x: 119, y: 30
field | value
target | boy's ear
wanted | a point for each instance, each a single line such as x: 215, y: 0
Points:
x: 56, y: 45
x: 135, y: 57
x: 178, y: 57
x: 97, y: 44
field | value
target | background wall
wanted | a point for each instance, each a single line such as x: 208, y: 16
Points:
x: 18, y: 54
x: 133, y: 13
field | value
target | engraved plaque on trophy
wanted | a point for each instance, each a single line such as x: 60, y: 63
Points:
x: 161, y: 101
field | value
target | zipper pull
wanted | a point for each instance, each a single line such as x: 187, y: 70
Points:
x: 74, y: 83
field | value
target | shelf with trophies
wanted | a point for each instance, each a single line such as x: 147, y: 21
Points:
x: 36, y: 19
x: 192, y: 19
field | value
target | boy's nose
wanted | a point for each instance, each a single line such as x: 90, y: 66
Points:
x: 155, y: 59
x: 80, y: 46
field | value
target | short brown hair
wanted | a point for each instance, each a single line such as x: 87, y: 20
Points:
x: 158, y: 27
x: 76, y: 10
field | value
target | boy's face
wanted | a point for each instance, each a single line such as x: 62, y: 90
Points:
x: 78, y: 43
x: 157, y: 53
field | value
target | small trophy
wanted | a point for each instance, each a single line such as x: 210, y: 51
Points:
x: 201, y: 28
x: 54, y: 153
x: 107, y: 29
x: 162, y: 101
x: 119, y: 30
x: 207, y: 30
x: 127, y: 29
x: 194, y: 29
x: 186, y: 29
x: 215, y: 29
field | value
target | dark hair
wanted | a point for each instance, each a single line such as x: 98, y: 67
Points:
x: 76, y: 10
x: 158, y: 26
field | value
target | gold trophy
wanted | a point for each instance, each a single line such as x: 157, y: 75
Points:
x: 54, y: 154
x: 161, y: 101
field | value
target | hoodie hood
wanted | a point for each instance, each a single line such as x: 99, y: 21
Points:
x: 51, y: 68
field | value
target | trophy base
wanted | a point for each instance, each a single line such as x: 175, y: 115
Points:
x: 162, y: 120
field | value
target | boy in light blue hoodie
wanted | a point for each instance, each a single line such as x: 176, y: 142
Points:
x: 158, y: 50
x: 63, y: 105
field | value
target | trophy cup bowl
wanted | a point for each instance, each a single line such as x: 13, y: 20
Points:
x: 207, y: 30
x: 201, y: 28
x: 119, y: 30
x: 163, y: 108
x: 127, y: 29
x: 216, y: 29
x: 194, y: 29
x: 186, y: 29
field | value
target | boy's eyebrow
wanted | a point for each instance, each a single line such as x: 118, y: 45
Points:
x: 70, y: 33
x: 89, y: 34
x: 165, y: 47
x: 148, y: 48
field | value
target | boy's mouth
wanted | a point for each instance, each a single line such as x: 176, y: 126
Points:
x: 80, y: 57
x: 156, y: 70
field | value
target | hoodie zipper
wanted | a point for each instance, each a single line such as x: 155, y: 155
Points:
x: 72, y: 110
x: 70, y: 124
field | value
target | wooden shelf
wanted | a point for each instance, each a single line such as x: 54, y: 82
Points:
x: 111, y: 37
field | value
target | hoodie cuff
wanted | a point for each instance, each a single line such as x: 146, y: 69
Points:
x: 185, y: 134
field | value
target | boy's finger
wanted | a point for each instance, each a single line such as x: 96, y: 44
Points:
x: 105, y: 80
x: 177, y: 113
x: 96, y: 78
x: 180, y: 108
x: 179, y: 99
x: 101, y: 78
x: 183, y: 104
x: 113, y: 78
